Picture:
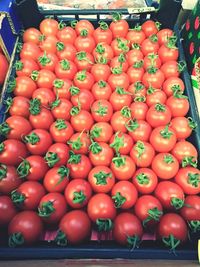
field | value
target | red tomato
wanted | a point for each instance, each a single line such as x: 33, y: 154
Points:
x: 76, y: 227
x: 153, y: 77
x: 57, y: 155
x: 137, y: 89
x: 49, y: 44
x: 31, y: 35
x: 24, y: 86
x: 81, y: 119
x: 66, y: 52
x: 172, y: 85
x: 102, y: 34
x: 150, y: 27
x: 101, y: 132
x: 120, y: 98
x: 18, y: 106
x: 83, y: 80
x: 61, y: 131
x: 124, y: 195
x: 119, y: 61
x: 139, y: 109
x: 103, y: 53
x: 178, y: 104
x: 163, y: 35
x: 65, y: 69
x: 101, y: 110
x: 84, y: 60
x: 62, y: 88
x: 122, y: 143
x: 52, y: 208
x: 84, y: 42
x: 24, y: 228
x: 123, y: 167
x: 60, y: 109
x: 191, y: 210
x: 41, y: 118
x: 101, y: 179
x: 120, y: 45
x: 158, y: 115
x: 9, y: 179
x: 66, y: 34
x: 7, y: 210
x: 49, y: 26
x: 150, y: 60
x: 150, y: 45
x: 119, y: 26
x: 82, y: 97
x: 155, y: 96
x: 172, y: 69
x: 120, y: 119
x: 100, y: 154
x: 135, y: 35
x: 139, y: 130
x: 183, y: 126
x: 43, y: 78
x: 118, y: 79
x: 30, y: 50
x: 100, y: 71
x: 83, y: 25
x: 56, y: 179
x: 101, y: 90
x: 24, y: 67
x: 135, y: 72
x: 134, y: 55
x: 145, y: 180
x: 77, y: 193
x: 47, y: 61
x: 79, y: 143
x: 168, y: 52
x: 45, y: 95
x: 183, y: 149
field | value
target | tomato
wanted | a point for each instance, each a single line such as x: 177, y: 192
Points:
x: 139, y: 130
x: 172, y: 85
x: 76, y: 227
x: 61, y: 131
x: 66, y: 34
x: 41, y: 118
x: 24, y: 67
x: 158, y: 115
x: 24, y: 228
x: 121, y: 143
x: 139, y: 109
x: 57, y: 155
x: 171, y: 69
x: 31, y: 35
x: 150, y: 45
x: 168, y: 52
x: 120, y: 98
x: 49, y: 26
x: 137, y: 89
x: 163, y: 35
x: 123, y: 167
x: 28, y: 195
x: 9, y: 179
x: 52, y: 208
x: 135, y: 35
x: 100, y: 154
x: 178, y: 104
x: 127, y: 230
x: 56, y: 179
x: 82, y: 97
x: 189, y: 180
x: 101, y: 179
x: 150, y: 27
x: 124, y: 195
x: 135, y: 72
x: 84, y: 60
x: 47, y: 61
x: 32, y: 168
x: 153, y: 77
x: 148, y: 209
x: 48, y: 43
x: 79, y: 143
x: 165, y: 166
x: 43, y: 78
x: 173, y: 230
x: 134, y: 55
x: 101, y: 90
x: 84, y: 42
x: 145, y: 180
x: 119, y: 61
x: 191, y: 210
x: 18, y: 106
x: 163, y: 139
x: 81, y: 119
x: 38, y: 141
x: 103, y: 52
x: 100, y: 71
x: 120, y: 119
x: 119, y: 26
x: 77, y: 193
x: 184, y: 149
x: 12, y: 152
x: 102, y: 34
x: 14, y: 127
x: 30, y: 50
x: 101, y: 111
x: 24, y: 86
x: 65, y: 69
x: 155, y: 96
x: 60, y: 108
x: 118, y: 79
x: 79, y: 166
x: 120, y: 45
x: 101, y: 132
x: 7, y: 210
x: 45, y: 95
x: 83, y: 80
x: 183, y: 126
x: 66, y: 52
x: 150, y: 60
x: 142, y: 153
x: 83, y: 25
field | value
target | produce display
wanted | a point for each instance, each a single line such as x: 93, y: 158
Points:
x: 96, y: 137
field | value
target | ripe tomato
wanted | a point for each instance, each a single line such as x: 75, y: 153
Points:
x: 9, y: 179
x: 134, y: 55
x: 139, y: 109
x: 172, y: 69
x: 120, y: 98
x: 56, y: 179
x: 15, y: 127
x: 124, y: 195
x: 101, y: 111
x: 118, y: 79
x: 142, y: 153
x: 158, y: 115
x: 153, y: 77
x: 60, y: 109
x: 38, y: 141
x: 155, y: 96
x: 102, y: 34
x: 178, y: 104
x: 81, y: 119
x: 183, y: 126
x: 79, y: 143
x: 120, y: 45
x: 45, y: 96
x: 119, y: 61
x: 82, y: 97
x: 83, y: 25
x: 101, y: 132
x: 76, y: 227
x: 47, y: 61
x: 79, y: 166
x: 101, y: 179
x: 119, y: 26
x: 12, y: 152
x: 28, y: 195
x: 150, y: 60
x: 191, y: 210
x: 137, y: 89
x: 61, y: 131
x: 83, y: 80
x: 100, y: 154
x: 103, y: 52
x: 183, y: 149
x: 62, y: 88
x: 123, y: 167
x: 48, y: 43
x: 32, y: 168
x: 24, y: 67
x: 163, y: 35
x: 148, y: 209
x: 18, y: 106
x: 170, y: 195
x: 24, y: 228
x: 49, y: 26
x: 163, y: 139
x: 173, y: 85
x: 66, y: 52
x: 189, y: 180
x: 41, y: 118
x: 66, y: 34
x: 84, y: 60
x: 136, y: 72
x: 120, y: 119
x: 84, y: 42
x: 24, y: 86
x: 139, y: 130
x: 100, y: 71
x: 31, y: 35
x: 135, y: 35
x: 150, y: 45
x: 168, y: 52
x: 145, y: 180
x: 77, y: 193
x: 7, y: 210
x: 150, y: 27
x: 101, y: 90
x: 52, y: 208
x: 43, y: 78
x: 65, y: 69
x: 30, y: 50
x: 127, y: 230
x: 57, y: 155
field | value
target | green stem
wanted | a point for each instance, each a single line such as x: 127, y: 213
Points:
x: 119, y: 200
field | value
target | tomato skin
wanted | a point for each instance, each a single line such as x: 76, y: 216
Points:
x: 100, y: 72
x: 126, y: 170
x: 81, y: 187
x: 145, y: 180
x: 166, y: 191
x: 67, y: 35
x: 171, y: 84
x: 191, y: 210
x: 31, y: 35
x: 45, y: 95
x: 59, y: 204
x: 81, y: 169
x: 135, y: 36
x: 105, y: 131
x: 30, y: 51
x: 101, y: 179
x: 118, y: 121
x: 103, y: 50
x: 181, y: 126
x: 79, y: 143
x: 85, y: 98
x: 185, y: 179
x: 149, y: 27
x: 100, y: 206
x: 148, y: 46
x: 32, y: 192
x: 102, y: 36
x: 66, y: 52
x: 126, y: 144
x: 49, y: 44
x: 49, y: 26
x: 135, y: 74
x: 118, y: 61
x: 25, y: 66
x: 119, y: 80
x: 84, y: 25
x: 65, y: 69
x: 61, y: 131
x: 138, y: 110
x: 148, y: 61
x: 62, y: 110
x: 167, y: 54
x: 142, y: 153
x: 24, y: 87
x: 142, y: 132
x: 163, y: 35
x: 76, y: 225
x: 84, y: 43
x: 7, y: 210
x: 43, y: 120
x: 85, y: 62
x: 61, y: 152
x: 137, y: 89
x: 179, y: 106
x: 126, y: 225
x: 47, y: 61
x: 29, y: 224
x: 165, y: 166
x: 170, y: 69
x: 184, y: 149
x: 155, y: 79
x: 82, y: 121
x: 9, y: 179
x: 19, y: 106
x: 133, y: 56
x: 102, y: 111
x: 101, y: 90
x: 104, y: 157
x: 45, y: 78
x: 56, y: 179
x: 118, y: 100
x: 12, y: 152
x: 119, y: 28
x: 126, y: 190
x: 116, y: 46
x: 83, y: 80
x: 158, y: 115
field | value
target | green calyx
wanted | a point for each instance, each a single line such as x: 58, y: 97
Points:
x: 34, y: 75
x: 58, y: 83
x: 65, y: 65
x: 191, y: 123
x: 60, y: 124
x: 95, y: 132
x: 19, y: 47
x: 15, y: 240
x: 75, y: 111
x: 101, y: 60
x: 143, y: 179
x: 3, y: 171
x: 181, y: 66
x: 122, y: 44
x: 84, y: 33
x: 140, y: 148
x: 32, y: 138
x: 104, y: 225
x: 103, y: 25
x: 2, y: 147
x: 18, y: 65
x: 101, y: 177
x: 153, y: 215
x: 55, y: 103
x: 117, y: 143
x: 165, y: 133
x: 121, y: 58
x: 194, y: 179
x: 135, y: 46
x: 23, y: 169
x: 35, y: 106
x: 73, y: 23
x: 138, y: 86
x: 169, y: 159
x: 177, y: 203
x: 44, y: 59
x: 152, y: 70
x: 194, y: 226
x: 151, y: 90
x: 46, y: 209
x: 79, y: 197
x: 102, y: 110
x: 4, y: 129
x: 102, y: 84
x: 8, y: 103
x: 74, y: 90
x: 189, y: 161
x: 119, y: 200
x: 100, y: 49
x: 95, y: 148
x: 132, y: 125
x: 74, y: 158
x: 116, y: 16
x: 121, y: 91
x: 160, y: 108
x: 61, y: 239
x: 178, y: 93
x: 77, y: 144
x: 60, y: 46
x: 81, y: 75
x: 126, y: 112
x: 116, y: 70
x: 153, y: 38
x: 51, y: 158
x: 12, y: 85
x: 17, y: 197
x: 138, y: 64
x: 63, y: 173
x: 133, y: 242
x: 140, y: 99
x: 171, y: 242
x: 61, y: 25
x: 119, y: 161
x: 137, y: 27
